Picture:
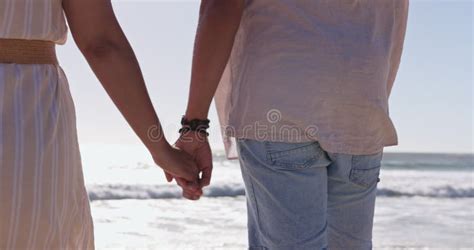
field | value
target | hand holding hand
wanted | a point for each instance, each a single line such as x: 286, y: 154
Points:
x: 197, y: 146
x: 179, y: 164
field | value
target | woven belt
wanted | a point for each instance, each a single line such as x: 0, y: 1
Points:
x: 27, y: 52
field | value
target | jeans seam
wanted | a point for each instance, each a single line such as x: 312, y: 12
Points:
x: 282, y: 153
x: 251, y: 181
x: 254, y: 197
x: 274, y: 158
x: 364, y: 183
x: 355, y: 169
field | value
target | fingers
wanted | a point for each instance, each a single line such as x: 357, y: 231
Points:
x: 206, y: 177
x: 190, y: 174
x: 191, y: 191
x: 192, y: 161
x: 190, y: 187
x: 168, y: 176
x: 204, y: 161
x: 190, y: 196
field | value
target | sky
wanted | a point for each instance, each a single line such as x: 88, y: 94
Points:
x: 431, y: 103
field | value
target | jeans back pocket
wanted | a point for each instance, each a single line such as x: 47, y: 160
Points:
x: 365, y: 169
x: 292, y: 156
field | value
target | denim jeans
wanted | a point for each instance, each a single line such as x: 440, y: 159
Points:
x: 301, y: 197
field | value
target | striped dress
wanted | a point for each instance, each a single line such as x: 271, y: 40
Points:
x: 43, y: 201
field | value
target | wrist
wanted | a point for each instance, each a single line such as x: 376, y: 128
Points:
x: 159, y: 149
x: 198, y: 126
x: 194, y: 136
x: 191, y: 141
x: 192, y: 114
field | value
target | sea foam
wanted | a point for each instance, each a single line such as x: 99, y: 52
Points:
x: 119, y: 191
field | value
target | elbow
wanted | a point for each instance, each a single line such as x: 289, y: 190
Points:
x: 100, y: 48
x: 227, y: 8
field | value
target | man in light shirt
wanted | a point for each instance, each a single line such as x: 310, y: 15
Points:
x: 302, y: 90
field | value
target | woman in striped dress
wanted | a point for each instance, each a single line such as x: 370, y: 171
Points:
x: 43, y: 201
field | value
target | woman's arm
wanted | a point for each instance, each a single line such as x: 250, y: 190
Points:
x: 101, y: 40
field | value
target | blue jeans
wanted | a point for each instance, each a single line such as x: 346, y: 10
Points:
x: 301, y: 197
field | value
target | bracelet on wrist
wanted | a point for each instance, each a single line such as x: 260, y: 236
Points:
x: 195, y: 125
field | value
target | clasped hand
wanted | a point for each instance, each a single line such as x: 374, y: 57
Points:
x: 189, y: 162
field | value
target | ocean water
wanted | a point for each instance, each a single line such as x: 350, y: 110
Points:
x: 425, y: 201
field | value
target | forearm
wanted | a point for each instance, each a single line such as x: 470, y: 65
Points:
x: 218, y: 23
x: 116, y: 66
x: 100, y: 38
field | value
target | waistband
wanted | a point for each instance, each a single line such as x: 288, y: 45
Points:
x: 20, y: 51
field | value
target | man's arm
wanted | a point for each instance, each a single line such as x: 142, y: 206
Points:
x: 101, y: 40
x: 219, y: 21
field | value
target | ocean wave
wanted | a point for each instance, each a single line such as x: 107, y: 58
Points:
x: 434, y: 192
x: 144, y: 192
x: 420, y: 161
x: 426, y: 166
